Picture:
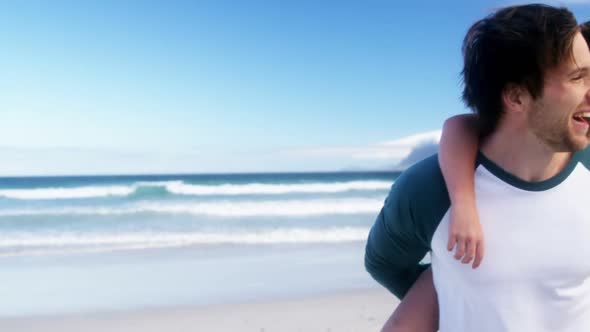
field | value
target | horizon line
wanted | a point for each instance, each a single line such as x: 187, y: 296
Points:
x: 198, y: 174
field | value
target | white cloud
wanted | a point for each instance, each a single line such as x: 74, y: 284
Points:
x: 394, y: 150
x: 74, y: 161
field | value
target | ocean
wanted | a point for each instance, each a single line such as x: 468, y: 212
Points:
x: 96, y: 243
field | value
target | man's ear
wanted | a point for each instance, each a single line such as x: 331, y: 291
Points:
x: 515, y: 98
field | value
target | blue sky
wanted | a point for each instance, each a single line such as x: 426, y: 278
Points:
x: 118, y: 87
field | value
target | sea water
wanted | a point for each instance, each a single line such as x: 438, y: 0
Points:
x: 92, y: 243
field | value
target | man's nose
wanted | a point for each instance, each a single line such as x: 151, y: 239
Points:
x: 587, y: 95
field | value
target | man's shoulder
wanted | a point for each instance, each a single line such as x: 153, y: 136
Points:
x: 426, y: 172
x: 423, y: 186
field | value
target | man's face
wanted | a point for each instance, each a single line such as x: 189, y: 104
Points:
x: 556, y: 117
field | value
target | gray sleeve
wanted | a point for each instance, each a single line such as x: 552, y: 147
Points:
x: 402, y: 232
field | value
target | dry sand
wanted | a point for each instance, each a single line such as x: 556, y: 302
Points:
x: 363, y: 310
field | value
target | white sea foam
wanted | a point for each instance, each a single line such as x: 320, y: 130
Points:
x: 232, y: 209
x: 270, y: 189
x: 181, y: 188
x: 67, y: 193
x: 79, y: 242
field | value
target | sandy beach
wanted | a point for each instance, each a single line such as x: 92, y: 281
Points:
x: 361, y: 310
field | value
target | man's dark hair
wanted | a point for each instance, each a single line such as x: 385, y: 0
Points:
x: 514, y: 45
x: 585, y: 29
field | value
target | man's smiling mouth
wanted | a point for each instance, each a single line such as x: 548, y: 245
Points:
x: 582, y: 117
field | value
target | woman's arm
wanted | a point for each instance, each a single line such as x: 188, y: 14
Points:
x: 457, y: 153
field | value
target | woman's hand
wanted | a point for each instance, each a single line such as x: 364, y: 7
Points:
x: 466, y: 234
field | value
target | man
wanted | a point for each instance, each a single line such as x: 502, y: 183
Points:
x: 527, y: 76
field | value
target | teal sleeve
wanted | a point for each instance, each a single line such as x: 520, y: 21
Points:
x: 584, y: 157
x: 402, y: 232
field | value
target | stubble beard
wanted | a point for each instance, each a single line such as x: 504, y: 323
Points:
x: 555, y: 133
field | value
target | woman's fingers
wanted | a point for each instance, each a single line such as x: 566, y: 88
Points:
x: 469, y: 250
x: 452, y: 241
x: 478, y: 254
x: 460, y: 248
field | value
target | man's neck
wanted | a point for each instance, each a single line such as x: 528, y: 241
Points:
x: 522, y: 154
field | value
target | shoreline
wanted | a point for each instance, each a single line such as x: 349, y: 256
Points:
x: 180, y: 277
x: 358, y: 310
